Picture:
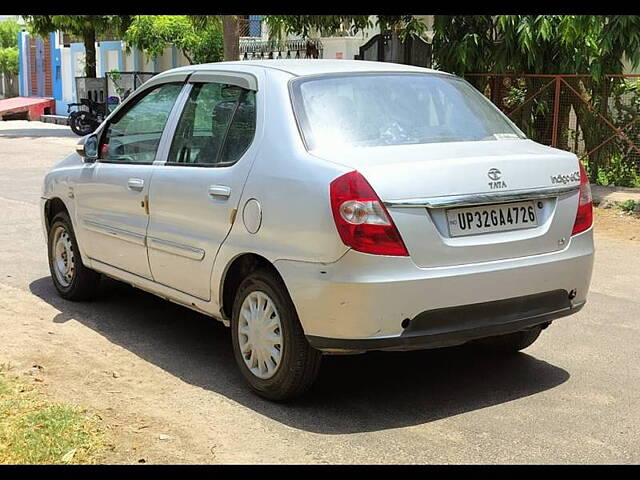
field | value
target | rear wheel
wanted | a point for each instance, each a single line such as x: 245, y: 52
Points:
x: 268, y: 341
x: 72, y: 279
x: 510, y: 343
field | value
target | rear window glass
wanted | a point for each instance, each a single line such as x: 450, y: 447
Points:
x: 363, y: 110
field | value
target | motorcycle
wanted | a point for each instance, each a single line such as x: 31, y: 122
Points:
x: 88, y: 116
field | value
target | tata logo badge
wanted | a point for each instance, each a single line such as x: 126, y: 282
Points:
x: 494, y: 174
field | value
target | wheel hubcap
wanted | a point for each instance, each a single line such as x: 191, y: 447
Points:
x: 63, y: 258
x: 260, y: 335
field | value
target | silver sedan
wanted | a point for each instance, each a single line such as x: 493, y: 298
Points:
x: 325, y: 207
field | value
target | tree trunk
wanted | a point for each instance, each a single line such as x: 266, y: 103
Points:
x: 90, y: 53
x: 231, y: 37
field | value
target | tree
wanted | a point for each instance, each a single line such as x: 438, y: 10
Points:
x: 199, y: 41
x: 9, y: 47
x: 304, y: 25
x: 86, y: 26
x: 9, y: 56
x: 536, y: 43
x: 231, y: 28
x: 230, y: 32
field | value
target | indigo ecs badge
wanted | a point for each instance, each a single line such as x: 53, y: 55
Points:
x: 564, y: 179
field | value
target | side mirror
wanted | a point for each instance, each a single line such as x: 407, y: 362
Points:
x: 88, y: 148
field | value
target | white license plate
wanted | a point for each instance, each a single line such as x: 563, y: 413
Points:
x: 491, y: 218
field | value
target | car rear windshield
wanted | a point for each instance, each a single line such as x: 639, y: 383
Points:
x: 363, y: 110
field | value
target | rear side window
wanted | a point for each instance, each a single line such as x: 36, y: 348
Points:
x: 216, y: 127
x: 135, y: 135
x: 364, y: 110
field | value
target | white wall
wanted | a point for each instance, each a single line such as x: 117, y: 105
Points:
x: 67, y: 87
x: 341, y: 47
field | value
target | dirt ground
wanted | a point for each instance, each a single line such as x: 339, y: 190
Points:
x: 164, y: 382
x: 614, y: 223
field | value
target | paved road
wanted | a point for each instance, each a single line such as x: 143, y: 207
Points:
x: 150, y: 367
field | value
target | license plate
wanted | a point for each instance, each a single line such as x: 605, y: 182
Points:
x: 491, y: 218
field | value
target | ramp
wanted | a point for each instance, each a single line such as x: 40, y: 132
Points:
x: 26, y: 108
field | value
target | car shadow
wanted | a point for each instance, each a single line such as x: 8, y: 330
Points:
x: 359, y: 393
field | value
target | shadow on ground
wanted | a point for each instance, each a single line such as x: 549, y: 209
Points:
x: 361, y: 393
x: 38, y: 133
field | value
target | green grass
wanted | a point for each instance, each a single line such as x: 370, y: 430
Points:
x: 34, y: 430
x: 628, y: 206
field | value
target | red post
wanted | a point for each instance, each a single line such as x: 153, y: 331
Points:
x: 556, y: 114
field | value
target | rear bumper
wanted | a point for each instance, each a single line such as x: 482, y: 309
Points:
x: 454, y: 326
x: 361, y: 301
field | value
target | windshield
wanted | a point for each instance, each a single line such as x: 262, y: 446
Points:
x: 363, y: 110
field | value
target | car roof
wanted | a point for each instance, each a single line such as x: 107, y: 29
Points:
x: 303, y: 67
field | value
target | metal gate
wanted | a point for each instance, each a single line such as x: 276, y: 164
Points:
x: 599, y: 121
x: 386, y: 47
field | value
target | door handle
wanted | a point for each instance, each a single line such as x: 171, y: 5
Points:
x: 219, y: 191
x: 135, y: 184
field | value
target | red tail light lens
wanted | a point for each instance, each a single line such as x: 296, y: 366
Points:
x: 361, y: 219
x: 584, y: 217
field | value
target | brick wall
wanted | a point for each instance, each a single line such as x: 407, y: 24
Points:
x: 33, y: 76
x: 33, y: 71
x: 48, y: 82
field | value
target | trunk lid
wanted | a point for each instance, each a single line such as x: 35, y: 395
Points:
x: 424, y: 172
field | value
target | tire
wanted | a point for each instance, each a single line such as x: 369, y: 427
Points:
x: 298, y: 364
x: 510, y: 343
x: 81, y: 123
x: 77, y: 282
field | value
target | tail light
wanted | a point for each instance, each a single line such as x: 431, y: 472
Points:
x: 584, y: 217
x: 361, y: 219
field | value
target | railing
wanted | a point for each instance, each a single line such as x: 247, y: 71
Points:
x: 260, y: 49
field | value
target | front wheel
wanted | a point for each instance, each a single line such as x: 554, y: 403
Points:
x: 268, y: 341
x: 72, y: 279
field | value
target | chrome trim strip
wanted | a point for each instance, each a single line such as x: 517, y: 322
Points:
x: 175, y: 248
x: 119, y: 233
x: 480, y: 198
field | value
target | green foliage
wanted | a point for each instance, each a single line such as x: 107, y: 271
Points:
x: 78, y: 25
x: 153, y: 33
x: 9, y: 34
x: 282, y: 25
x: 204, y: 45
x: 619, y: 171
x: 9, y: 60
x: 9, y: 47
x: 628, y: 206
x: 536, y: 43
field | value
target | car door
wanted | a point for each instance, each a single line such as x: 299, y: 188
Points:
x: 195, y: 193
x: 111, y: 193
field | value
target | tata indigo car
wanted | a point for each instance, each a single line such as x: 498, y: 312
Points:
x: 324, y: 207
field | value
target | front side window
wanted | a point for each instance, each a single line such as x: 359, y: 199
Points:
x: 216, y: 127
x: 363, y: 110
x: 134, y: 136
